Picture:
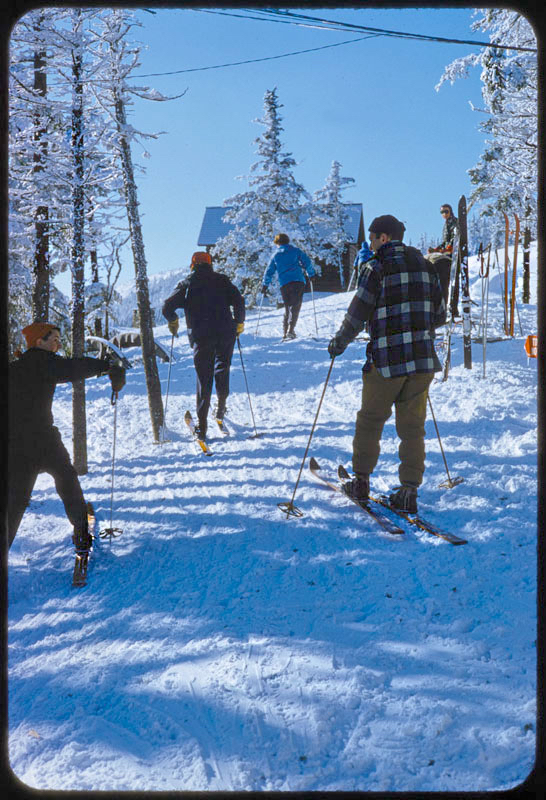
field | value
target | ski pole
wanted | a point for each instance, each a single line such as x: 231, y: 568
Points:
x: 112, y: 532
x: 451, y: 482
x: 290, y: 508
x: 256, y: 434
x: 163, y: 440
x: 259, y: 315
x: 314, y: 309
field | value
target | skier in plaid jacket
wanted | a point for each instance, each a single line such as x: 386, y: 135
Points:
x: 399, y: 298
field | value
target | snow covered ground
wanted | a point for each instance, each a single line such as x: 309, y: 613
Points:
x: 220, y: 646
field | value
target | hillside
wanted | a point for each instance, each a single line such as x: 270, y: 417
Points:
x: 221, y: 646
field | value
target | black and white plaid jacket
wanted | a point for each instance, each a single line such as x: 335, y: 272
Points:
x: 399, y: 296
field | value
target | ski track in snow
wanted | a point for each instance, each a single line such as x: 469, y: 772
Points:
x: 220, y: 646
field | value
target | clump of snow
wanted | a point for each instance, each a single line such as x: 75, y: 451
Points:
x: 220, y: 646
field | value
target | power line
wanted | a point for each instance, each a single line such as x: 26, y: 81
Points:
x: 254, y: 60
x: 273, y: 15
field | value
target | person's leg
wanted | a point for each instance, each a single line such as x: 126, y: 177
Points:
x: 378, y: 395
x: 203, y: 359
x: 56, y: 462
x: 22, y: 474
x: 296, y: 301
x: 411, y: 411
x: 222, y: 364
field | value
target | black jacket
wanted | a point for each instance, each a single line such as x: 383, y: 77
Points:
x: 31, y: 384
x: 207, y: 298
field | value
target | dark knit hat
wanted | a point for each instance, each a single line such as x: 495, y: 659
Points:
x: 201, y: 258
x: 37, y: 330
x: 389, y: 225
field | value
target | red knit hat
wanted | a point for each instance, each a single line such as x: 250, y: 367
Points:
x: 37, y: 330
x: 200, y: 258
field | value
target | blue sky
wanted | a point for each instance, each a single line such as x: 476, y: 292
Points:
x: 371, y: 105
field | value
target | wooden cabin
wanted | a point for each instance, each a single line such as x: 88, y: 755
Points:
x: 214, y: 228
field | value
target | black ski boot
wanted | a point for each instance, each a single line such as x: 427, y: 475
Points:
x: 201, y: 432
x: 404, y: 499
x: 358, y: 488
x: 82, y: 539
x: 220, y: 410
x: 291, y: 334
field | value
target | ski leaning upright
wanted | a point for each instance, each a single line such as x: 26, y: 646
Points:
x: 465, y: 285
x: 451, y: 308
x: 370, y: 508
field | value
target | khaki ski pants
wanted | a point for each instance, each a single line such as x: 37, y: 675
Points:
x: 409, y: 395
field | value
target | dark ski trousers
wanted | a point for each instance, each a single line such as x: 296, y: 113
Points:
x: 292, y: 295
x: 43, y: 453
x: 409, y: 395
x: 212, y: 360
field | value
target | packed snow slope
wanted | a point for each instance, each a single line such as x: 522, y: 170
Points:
x: 221, y: 646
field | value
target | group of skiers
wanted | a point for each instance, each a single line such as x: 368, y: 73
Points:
x: 399, y: 299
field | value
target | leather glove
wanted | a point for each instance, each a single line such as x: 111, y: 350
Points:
x: 240, y: 327
x: 173, y: 326
x: 336, y: 346
x: 264, y: 290
x: 117, y: 377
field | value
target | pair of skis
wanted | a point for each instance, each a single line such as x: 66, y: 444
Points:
x: 375, y: 504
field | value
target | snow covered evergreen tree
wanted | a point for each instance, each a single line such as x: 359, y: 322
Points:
x: 273, y: 204
x: 505, y: 177
x: 328, y: 218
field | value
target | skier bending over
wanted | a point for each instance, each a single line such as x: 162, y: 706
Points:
x: 207, y: 298
x: 400, y: 298
x: 34, y: 443
x: 291, y: 264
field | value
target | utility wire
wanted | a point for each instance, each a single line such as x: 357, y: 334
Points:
x: 254, y: 60
x: 273, y: 15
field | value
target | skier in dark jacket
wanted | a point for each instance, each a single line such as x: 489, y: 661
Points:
x: 290, y: 263
x: 449, y: 230
x: 400, y: 298
x: 208, y: 298
x: 34, y: 443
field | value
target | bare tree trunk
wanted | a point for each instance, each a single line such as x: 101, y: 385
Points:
x: 153, y: 384
x: 79, y: 422
x: 40, y: 291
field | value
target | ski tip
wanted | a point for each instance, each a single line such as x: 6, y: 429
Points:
x: 187, y: 415
x: 313, y: 463
x: 342, y: 472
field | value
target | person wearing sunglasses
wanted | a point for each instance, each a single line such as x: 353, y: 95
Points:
x: 448, y: 233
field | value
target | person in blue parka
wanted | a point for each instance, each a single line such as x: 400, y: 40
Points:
x: 291, y: 265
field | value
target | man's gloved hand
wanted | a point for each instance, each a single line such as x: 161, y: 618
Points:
x: 117, y: 377
x: 240, y: 327
x: 173, y: 326
x: 264, y: 290
x: 337, y: 346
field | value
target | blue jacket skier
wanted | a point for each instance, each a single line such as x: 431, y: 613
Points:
x: 291, y: 265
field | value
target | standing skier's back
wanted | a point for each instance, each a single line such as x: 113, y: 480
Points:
x: 208, y: 298
x: 290, y: 263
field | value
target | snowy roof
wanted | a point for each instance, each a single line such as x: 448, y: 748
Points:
x: 213, y: 228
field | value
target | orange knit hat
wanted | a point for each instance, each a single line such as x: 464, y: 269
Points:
x: 37, y: 330
x: 200, y: 258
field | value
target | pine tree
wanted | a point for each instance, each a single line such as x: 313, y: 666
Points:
x: 505, y: 177
x: 328, y: 221
x: 274, y: 203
